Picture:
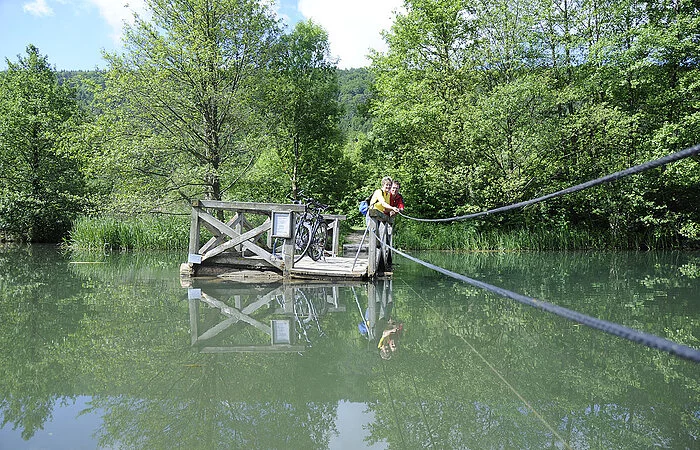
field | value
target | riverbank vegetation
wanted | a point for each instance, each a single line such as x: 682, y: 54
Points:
x: 146, y: 232
x: 473, y: 106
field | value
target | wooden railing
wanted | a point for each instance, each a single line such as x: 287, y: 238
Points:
x: 245, y: 239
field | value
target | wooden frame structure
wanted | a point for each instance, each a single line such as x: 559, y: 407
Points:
x: 244, y: 241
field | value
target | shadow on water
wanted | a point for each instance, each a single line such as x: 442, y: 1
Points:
x: 414, y: 362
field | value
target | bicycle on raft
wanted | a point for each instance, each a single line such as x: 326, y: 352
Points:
x: 310, y: 232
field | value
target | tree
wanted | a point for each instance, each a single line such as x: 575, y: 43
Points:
x: 42, y: 188
x: 181, y: 121
x: 303, y: 110
x: 422, y: 84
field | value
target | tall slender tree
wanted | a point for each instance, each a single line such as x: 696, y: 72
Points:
x: 303, y: 109
x: 181, y: 119
x: 42, y: 187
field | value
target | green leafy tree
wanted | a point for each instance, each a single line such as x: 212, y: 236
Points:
x: 180, y: 118
x: 422, y: 84
x: 42, y: 188
x: 355, y: 93
x: 304, y: 112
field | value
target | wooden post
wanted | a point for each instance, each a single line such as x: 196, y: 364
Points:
x: 384, y: 262
x: 194, y: 229
x: 238, y: 228
x: 336, y: 236
x: 288, y: 295
x: 371, y: 315
x: 372, y: 247
x: 194, y: 315
x: 379, y: 260
x: 333, y: 224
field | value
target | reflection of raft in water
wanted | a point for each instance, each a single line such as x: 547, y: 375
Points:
x: 270, y: 317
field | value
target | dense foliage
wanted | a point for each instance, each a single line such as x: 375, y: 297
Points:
x: 472, y: 107
x: 482, y: 105
x: 301, y: 108
x: 42, y: 187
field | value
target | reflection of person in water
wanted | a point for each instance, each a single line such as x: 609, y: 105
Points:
x: 387, y: 343
x: 378, y: 324
x: 365, y: 325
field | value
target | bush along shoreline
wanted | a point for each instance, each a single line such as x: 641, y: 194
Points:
x: 161, y: 232
x: 146, y: 232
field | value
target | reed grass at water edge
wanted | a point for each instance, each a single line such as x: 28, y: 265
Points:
x: 130, y: 233
x: 467, y: 237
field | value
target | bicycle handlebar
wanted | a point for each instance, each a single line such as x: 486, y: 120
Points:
x: 316, y: 204
x: 308, y: 201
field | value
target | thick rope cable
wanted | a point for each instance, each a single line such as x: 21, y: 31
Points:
x: 495, y: 371
x: 690, y: 151
x: 640, y: 337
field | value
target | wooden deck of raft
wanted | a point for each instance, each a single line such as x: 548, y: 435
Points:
x: 331, y: 267
x: 239, y: 249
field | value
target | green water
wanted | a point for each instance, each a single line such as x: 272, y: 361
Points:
x: 115, y: 352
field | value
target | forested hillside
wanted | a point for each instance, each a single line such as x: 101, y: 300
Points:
x: 472, y: 107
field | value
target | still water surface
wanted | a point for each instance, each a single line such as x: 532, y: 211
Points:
x: 115, y: 352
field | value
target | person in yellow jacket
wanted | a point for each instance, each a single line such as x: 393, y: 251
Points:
x: 380, y: 204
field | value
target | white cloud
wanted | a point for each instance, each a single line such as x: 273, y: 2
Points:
x: 353, y: 26
x: 115, y: 13
x: 38, y: 8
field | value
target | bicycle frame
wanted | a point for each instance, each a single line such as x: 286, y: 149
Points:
x: 310, y: 231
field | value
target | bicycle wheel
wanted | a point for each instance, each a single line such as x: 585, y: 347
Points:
x: 302, y: 238
x: 318, y: 241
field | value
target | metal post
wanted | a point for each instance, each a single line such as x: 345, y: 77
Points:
x: 359, y: 248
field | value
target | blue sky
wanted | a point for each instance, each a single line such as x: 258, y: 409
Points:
x: 72, y: 33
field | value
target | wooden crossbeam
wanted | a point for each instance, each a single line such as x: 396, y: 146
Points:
x: 236, y: 316
x: 233, y: 313
x: 235, y: 238
x: 219, y: 238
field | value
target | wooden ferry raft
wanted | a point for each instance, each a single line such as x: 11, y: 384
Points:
x: 241, y: 240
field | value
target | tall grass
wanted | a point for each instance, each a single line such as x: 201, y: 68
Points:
x: 172, y: 233
x: 130, y: 233
x: 468, y: 237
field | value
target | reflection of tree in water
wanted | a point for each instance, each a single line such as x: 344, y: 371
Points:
x: 39, y: 311
x: 215, y: 414
x: 214, y: 400
x: 65, y: 325
x: 593, y: 390
x: 124, y: 338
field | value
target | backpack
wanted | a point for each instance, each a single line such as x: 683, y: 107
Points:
x: 364, y: 205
